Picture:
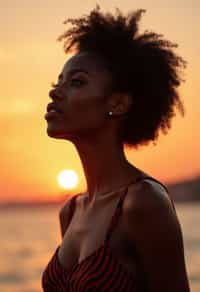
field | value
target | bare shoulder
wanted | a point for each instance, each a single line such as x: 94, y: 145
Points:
x: 64, y: 210
x: 146, y: 194
x: 152, y: 226
x: 148, y: 205
x: 64, y: 213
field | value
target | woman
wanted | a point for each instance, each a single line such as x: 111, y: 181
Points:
x: 119, y: 88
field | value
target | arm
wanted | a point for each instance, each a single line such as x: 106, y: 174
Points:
x: 153, y: 227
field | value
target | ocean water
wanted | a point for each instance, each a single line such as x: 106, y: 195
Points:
x: 29, y: 237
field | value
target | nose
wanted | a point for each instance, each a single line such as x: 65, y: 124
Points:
x: 53, y: 93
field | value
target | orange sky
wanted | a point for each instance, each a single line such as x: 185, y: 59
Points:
x: 31, y: 59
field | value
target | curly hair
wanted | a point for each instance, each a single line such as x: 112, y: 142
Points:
x: 142, y: 65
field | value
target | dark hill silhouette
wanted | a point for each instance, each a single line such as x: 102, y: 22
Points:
x: 183, y: 191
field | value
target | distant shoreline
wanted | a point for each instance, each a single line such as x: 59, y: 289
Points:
x: 184, y: 191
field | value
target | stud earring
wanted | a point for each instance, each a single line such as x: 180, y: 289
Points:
x: 110, y: 113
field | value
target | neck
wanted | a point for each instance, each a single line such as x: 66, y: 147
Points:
x: 105, y: 166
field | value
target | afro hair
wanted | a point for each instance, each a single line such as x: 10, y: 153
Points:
x: 142, y: 65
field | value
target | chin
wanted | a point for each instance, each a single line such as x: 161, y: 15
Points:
x: 53, y: 131
x: 58, y: 133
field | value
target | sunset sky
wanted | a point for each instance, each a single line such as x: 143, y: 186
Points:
x: 31, y: 58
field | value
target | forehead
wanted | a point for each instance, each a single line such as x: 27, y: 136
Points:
x: 89, y: 62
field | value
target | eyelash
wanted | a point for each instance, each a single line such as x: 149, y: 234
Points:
x: 74, y: 79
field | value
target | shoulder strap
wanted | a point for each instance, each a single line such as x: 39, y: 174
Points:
x: 118, y: 210
x: 169, y: 195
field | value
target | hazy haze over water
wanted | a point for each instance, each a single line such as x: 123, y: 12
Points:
x: 29, y: 236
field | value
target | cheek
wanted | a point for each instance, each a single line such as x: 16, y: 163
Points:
x: 86, y: 104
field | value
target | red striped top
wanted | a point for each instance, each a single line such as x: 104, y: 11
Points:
x: 100, y: 271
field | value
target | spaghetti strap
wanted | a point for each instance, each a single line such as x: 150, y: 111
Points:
x: 118, y: 209
x: 168, y: 193
x: 84, y: 275
x: 149, y: 177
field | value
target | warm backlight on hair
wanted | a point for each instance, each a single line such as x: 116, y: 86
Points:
x: 68, y: 179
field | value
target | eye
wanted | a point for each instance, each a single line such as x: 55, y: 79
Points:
x: 77, y: 82
x: 74, y: 82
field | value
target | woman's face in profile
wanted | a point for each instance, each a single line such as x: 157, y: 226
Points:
x: 81, y: 94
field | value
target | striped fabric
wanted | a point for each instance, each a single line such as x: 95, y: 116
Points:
x: 100, y: 271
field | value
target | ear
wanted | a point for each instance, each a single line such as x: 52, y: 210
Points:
x: 120, y: 103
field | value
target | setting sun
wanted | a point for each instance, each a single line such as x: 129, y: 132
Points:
x: 68, y: 179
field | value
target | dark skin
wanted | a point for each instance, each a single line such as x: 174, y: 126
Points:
x: 148, y: 220
x: 85, y: 122
x: 153, y: 226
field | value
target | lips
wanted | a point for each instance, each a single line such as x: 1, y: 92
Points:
x: 52, y: 111
x: 52, y: 114
x: 53, y: 106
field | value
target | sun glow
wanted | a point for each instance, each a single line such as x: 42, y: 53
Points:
x: 68, y: 179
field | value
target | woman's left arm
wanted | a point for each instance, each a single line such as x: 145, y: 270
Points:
x: 153, y: 228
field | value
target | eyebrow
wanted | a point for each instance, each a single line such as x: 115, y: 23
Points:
x: 73, y: 71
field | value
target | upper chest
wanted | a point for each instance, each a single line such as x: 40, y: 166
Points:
x: 87, y: 232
